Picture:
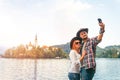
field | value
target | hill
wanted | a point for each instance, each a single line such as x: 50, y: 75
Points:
x: 107, y: 52
x: 65, y: 47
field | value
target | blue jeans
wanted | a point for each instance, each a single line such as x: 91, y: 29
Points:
x: 87, y: 74
x: 74, y: 76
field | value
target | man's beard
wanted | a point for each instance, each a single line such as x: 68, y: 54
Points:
x: 85, y: 38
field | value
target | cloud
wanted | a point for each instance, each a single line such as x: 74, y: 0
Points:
x: 51, y: 20
x: 67, y: 13
x: 117, y: 1
x: 74, y: 5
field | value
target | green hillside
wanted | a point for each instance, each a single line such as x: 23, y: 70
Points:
x: 107, y: 52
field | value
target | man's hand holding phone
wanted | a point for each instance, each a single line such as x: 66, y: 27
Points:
x: 101, y: 24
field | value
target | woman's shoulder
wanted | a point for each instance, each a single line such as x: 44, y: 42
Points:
x: 72, y: 51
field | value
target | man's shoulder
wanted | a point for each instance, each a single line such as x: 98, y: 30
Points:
x: 92, y: 38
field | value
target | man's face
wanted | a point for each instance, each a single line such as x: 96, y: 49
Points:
x: 84, y: 35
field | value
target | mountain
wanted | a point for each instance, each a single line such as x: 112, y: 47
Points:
x: 107, y: 52
x: 65, y: 47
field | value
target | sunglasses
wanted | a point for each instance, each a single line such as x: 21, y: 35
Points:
x: 77, y: 43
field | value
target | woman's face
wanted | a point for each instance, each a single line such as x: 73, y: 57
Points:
x: 76, y: 44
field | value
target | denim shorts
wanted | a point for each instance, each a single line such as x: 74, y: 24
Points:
x: 74, y: 76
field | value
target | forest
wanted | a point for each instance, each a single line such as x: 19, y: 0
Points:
x: 23, y: 51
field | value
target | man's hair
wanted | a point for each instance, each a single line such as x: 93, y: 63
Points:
x: 80, y: 30
x: 73, y: 39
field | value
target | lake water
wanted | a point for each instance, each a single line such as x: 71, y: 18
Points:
x: 53, y: 69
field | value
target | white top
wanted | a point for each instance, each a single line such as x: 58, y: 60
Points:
x: 74, y: 62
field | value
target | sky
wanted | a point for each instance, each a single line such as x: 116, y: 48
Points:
x: 57, y: 21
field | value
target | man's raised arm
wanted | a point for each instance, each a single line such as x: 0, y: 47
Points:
x: 102, y: 30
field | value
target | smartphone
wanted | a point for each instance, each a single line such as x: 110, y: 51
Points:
x: 99, y: 20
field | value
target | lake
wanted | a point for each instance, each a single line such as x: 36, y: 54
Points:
x: 53, y: 69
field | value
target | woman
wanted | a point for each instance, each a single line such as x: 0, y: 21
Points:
x: 75, y: 58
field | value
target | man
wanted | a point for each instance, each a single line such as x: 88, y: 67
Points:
x: 89, y: 45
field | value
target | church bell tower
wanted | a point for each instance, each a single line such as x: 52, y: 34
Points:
x: 36, y: 41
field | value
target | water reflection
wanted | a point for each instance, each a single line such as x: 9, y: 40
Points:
x: 53, y: 69
x: 30, y: 69
x: 16, y: 69
x: 35, y: 70
x: 107, y: 69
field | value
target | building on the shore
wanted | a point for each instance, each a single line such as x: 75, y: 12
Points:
x: 35, y: 44
x: 30, y: 46
x: 36, y: 41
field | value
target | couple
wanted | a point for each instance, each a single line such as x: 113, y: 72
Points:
x: 82, y: 54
